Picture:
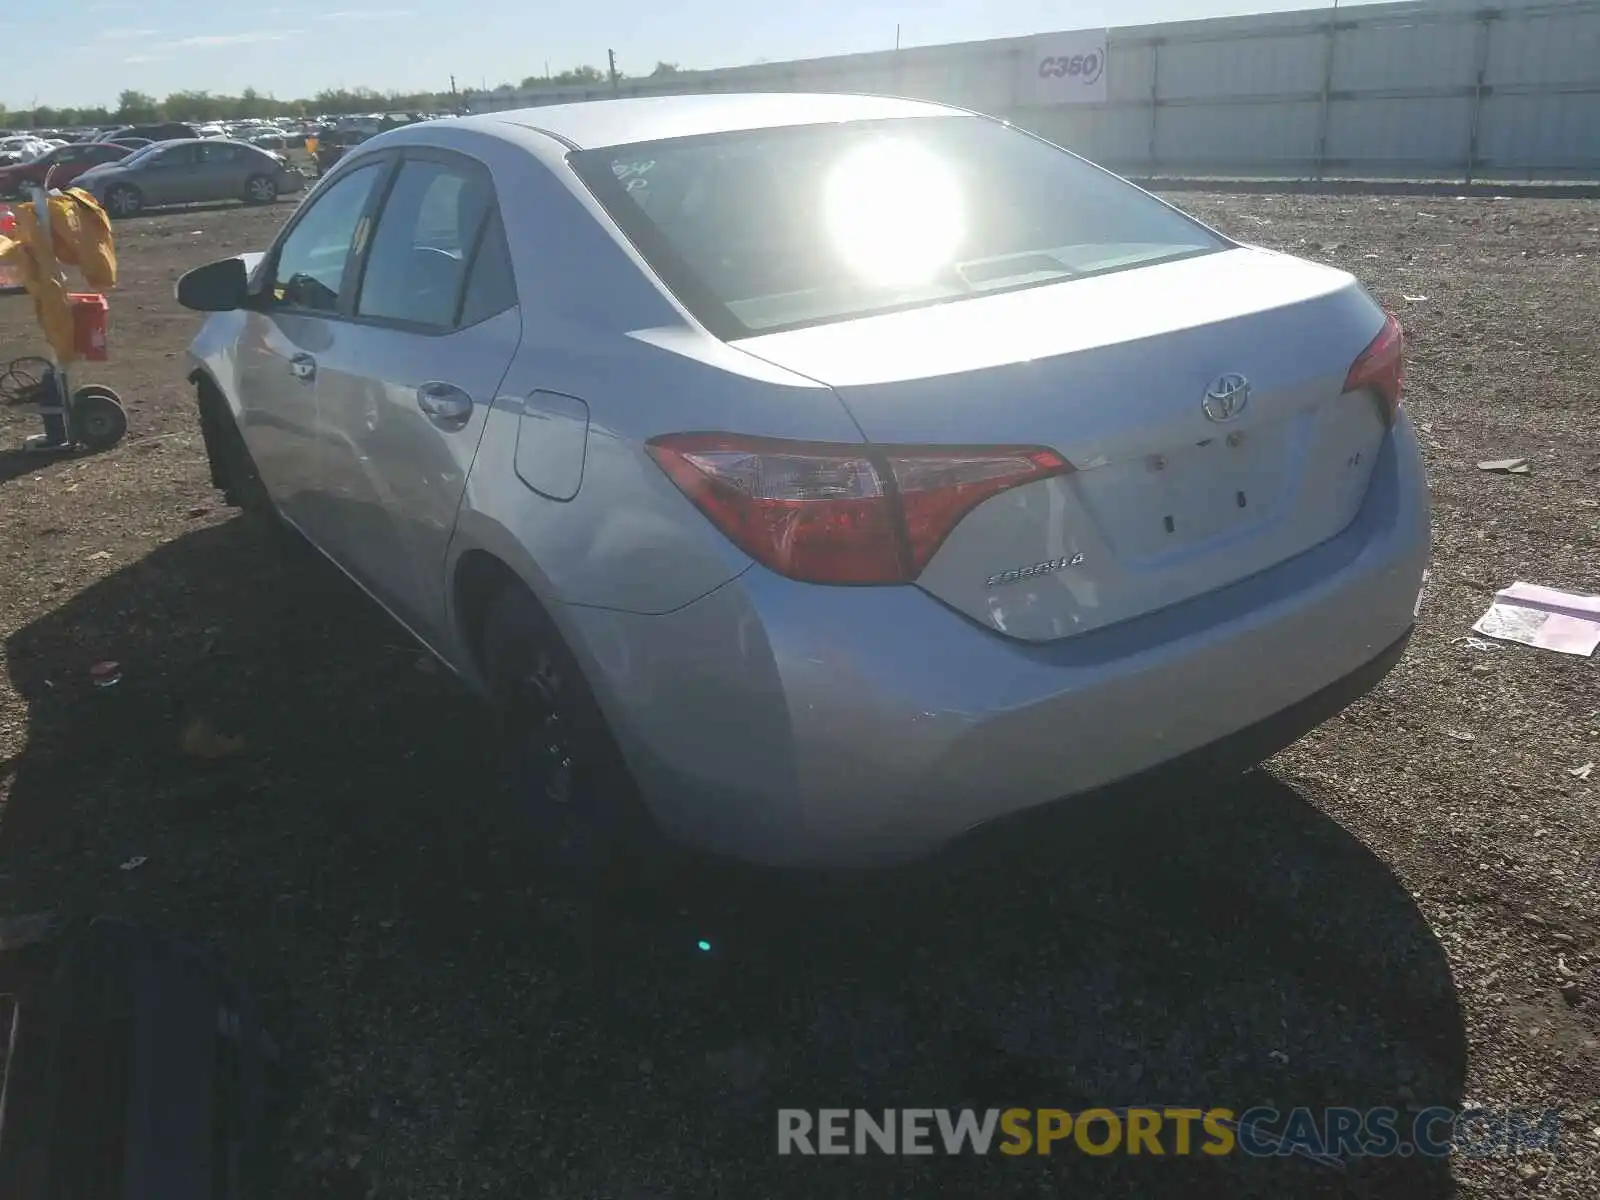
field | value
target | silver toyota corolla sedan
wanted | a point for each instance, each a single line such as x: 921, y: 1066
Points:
x: 813, y: 478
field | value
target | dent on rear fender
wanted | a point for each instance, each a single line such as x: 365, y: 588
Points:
x: 626, y: 539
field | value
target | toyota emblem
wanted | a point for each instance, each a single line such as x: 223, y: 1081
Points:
x: 1226, y: 398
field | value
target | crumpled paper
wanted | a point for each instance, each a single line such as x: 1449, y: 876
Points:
x: 1566, y: 622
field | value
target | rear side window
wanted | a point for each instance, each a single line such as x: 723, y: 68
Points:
x: 491, y: 286
x: 428, y: 228
x: 776, y: 229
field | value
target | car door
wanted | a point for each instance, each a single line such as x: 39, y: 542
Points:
x: 300, y: 287
x: 405, y: 392
x: 62, y: 165
x: 221, y: 173
x: 169, y: 176
x: 95, y: 155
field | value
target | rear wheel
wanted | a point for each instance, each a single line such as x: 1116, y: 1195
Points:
x: 98, y: 419
x: 260, y: 189
x: 124, y: 200
x: 559, y: 761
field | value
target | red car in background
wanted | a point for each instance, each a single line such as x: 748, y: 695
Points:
x: 68, y: 162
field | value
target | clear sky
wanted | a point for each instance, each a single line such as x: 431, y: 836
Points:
x: 86, y: 51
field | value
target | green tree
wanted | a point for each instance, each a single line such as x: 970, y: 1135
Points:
x: 578, y: 75
x: 192, y: 106
x: 133, y: 107
x: 248, y: 104
x: 666, y: 68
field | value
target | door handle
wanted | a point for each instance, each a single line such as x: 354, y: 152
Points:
x: 446, y: 405
x: 303, y: 367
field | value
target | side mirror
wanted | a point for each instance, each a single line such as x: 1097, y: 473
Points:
x: 216, y: 287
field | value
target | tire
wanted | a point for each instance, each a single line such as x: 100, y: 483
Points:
x: 234, y: 474
x: 560, y: 765
x: 98, y: 419
x: 260, y: 189
x: 124, y: 200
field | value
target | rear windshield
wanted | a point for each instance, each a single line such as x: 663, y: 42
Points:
x: 776, y: 229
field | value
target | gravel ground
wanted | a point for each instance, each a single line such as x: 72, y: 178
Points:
x: 1399, y: 910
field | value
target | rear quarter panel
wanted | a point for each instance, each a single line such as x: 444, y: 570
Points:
x: 598, y: 329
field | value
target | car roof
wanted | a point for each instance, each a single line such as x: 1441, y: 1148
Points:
x: 595, y: 123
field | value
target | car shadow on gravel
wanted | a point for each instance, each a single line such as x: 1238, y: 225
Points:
x: 454, y: 1023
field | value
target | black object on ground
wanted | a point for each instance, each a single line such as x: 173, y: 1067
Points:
x: 136, y: 1072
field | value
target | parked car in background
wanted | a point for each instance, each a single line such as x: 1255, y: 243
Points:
x: 971, y: 476
x: 163, y: 131
x: 61, y: 167
x: 187, y: 171
x: 132, y: 143
x: 22, y: 148
x: 333, y: 144
x: 293, y: 149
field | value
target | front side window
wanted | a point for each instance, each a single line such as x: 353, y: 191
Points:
x: 429, y: 226
x: 169, y: 157
x: 781, y: 228
x: 310, y: 266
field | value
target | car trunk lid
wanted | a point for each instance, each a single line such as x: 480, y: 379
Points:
x: 1173, y: 493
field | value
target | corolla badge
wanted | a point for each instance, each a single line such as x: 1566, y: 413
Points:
x: 1226, y: 398
x: 1049, y: 567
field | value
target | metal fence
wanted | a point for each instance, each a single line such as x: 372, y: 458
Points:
x: 1416, y: 91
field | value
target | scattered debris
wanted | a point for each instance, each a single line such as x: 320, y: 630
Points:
x: 134, y: 863
x: 1505, y: 466
x: 202, y: 741
x: 1413, y: 299
x: 1582, y: 772
x: 106, y: 674
x: 427, y: 664
x: 1461, y: 735
x: 1278, y: 1056
x: 1566, y: 622
x: 99, y: 556
x: 199, y: 510
x: 1473, y: 643
x: 28, y: 929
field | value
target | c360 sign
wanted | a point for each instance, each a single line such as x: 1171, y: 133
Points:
x: 1066, y: 68
x: 1086, y: 67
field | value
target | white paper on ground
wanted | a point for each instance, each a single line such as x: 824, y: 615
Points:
x: 1566, y: 622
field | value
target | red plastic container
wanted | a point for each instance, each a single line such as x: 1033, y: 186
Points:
x: 91, y: 320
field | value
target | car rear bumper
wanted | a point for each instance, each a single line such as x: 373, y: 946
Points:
x: 800, y: 725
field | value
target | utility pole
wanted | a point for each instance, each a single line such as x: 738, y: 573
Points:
x: 897, y: 36
x: 611, y: 57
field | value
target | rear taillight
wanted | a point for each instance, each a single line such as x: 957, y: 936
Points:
x: 829, y: 513
x: 1382, y: 367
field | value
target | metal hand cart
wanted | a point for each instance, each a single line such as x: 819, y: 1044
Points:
x: 90, y: 417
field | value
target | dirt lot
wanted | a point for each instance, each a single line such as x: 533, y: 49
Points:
x: 1403, y: 910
